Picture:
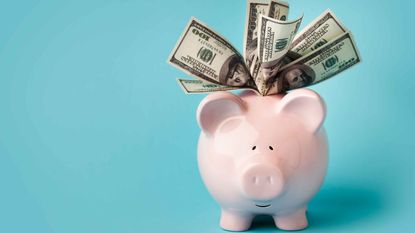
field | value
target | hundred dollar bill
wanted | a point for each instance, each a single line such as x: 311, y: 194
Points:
x: 278, y: 10
x: 257, y: 75
x: 275, y: 9
x: 275, y: 37
x: 261, y: 80
x: 253, y: 9
x: 323, y: 29
x: 336, y: 56
x: 206, y: 55
x: 199, y: 86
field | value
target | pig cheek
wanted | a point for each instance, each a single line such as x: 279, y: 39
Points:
x: 230, y: 144
x: 235, y: 138
x: 290, y: 153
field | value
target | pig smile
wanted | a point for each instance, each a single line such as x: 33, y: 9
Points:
x: 263, y: 206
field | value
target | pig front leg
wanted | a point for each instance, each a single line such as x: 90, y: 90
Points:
x: 235, y: 221
x: 293, y: 221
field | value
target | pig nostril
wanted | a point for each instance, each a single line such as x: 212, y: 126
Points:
x: 253, y: 148
x: 270, y: 147
x: 270, y: 180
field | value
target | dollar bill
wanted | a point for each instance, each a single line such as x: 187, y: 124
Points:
x: 254, y: 9
x: 256, y: 74
x: 334, y: 57
x: 274, y: 9
x: 275, y: 37
x: 322, y: 30
x: 206, y: 55
x: 199, y: 86
x: 278, y: 10
x: 275, y: 60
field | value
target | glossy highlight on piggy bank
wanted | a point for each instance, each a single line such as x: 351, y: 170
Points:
x: 262, y: 155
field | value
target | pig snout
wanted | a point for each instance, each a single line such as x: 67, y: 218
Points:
x: 262, y: 181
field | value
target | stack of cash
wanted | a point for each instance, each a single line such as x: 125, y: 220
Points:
x: 275, y: 57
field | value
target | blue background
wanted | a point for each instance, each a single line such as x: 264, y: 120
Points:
x: 96, y: 136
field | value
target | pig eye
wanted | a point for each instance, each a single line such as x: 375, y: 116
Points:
x: 253, y: 148
x: 270, y: 147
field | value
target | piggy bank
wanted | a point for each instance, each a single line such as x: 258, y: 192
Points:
x: 262, y: 155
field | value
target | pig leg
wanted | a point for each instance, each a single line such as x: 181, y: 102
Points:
x: 235, y: 221
x: 293, y: 221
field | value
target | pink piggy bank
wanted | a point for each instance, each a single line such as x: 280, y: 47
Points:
x: 262, y: 155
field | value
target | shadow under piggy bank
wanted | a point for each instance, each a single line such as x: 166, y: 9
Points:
x: 333, y: 208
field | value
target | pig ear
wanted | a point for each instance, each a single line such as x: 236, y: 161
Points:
x: 305, y: 105
x: 217, y: 107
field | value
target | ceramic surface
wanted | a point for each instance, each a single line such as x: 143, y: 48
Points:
x: 262, y: 155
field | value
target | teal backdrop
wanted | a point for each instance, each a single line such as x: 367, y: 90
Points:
x: 96, y: 136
